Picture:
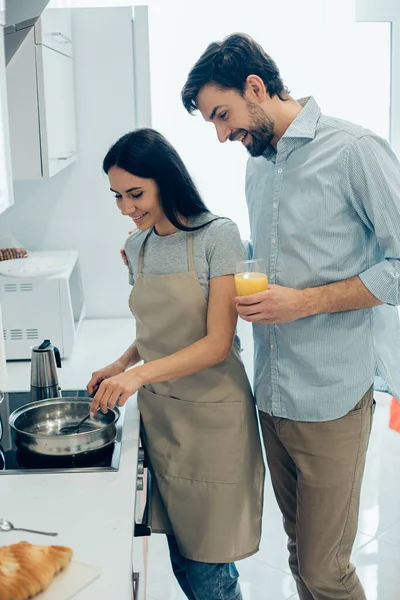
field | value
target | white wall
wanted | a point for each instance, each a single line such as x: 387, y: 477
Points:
x: 389, y: 12
x: 75, y: 209
x: 320, y: 51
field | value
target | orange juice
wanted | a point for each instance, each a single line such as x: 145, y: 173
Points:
x: 250, y: 283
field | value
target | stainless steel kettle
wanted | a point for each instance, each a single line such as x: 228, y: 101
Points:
x: 44, y: 380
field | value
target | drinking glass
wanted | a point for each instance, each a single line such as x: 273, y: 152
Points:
x: 251, y: 277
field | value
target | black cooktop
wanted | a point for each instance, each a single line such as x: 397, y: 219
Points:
x: 15, y: 461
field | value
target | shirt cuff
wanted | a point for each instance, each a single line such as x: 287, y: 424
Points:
x: 249, y: 249
x: 383, y: 281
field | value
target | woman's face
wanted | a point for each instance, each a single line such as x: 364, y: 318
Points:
x: 137, y: 198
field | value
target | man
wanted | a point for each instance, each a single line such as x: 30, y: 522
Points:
x: 324, y: 205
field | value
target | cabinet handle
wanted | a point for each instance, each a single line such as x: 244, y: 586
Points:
x: 61, y: 38
x: 66, y: 156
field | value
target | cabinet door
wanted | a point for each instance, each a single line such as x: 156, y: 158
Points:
x: 141, y: 62
x: 54, y: 30
x: 6, y: 190
x: 56, y: 110
x: 23, y: 109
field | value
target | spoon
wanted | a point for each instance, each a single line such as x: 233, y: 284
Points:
x: 7, y: 526
x: 75, y: 428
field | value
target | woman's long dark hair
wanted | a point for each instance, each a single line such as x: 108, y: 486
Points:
x: 146, y: 153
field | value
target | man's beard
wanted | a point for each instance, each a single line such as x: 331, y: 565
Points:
x: 262, y: 130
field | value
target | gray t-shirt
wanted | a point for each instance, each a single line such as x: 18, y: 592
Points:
x: 217, y: 248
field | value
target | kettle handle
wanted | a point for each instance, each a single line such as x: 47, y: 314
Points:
x: 58, y: 357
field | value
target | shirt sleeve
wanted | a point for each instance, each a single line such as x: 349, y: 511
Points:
x: 372, y: 176
x: 224, y: 249
x: 249, y: 249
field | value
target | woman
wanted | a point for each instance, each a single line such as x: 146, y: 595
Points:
x: 199, y: 421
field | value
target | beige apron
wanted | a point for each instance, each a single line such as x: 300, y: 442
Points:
x: 200, y: 431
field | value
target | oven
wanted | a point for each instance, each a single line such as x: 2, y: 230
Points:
x: 142, y: 525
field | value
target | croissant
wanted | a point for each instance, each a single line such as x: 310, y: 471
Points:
x: 28, y: 569
x: 10, y: 253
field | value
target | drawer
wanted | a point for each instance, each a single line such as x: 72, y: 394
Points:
x: 54, y: 30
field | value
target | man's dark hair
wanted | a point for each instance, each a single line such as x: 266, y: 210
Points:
x: 227, y: 64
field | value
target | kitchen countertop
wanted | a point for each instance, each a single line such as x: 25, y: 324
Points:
x: 93, y: 512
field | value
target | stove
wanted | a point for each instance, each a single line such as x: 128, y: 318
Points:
x: 14, y: 461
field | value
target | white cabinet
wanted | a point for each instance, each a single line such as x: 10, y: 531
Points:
x: 40, y: 88
x: 55, y: 80
x: 54, y: 30
x: 6, y: 190
x: 141, y: 60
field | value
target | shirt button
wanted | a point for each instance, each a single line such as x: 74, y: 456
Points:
x: 280, y: 171
x: 273, y: 241
x: 272, y: 347
x: 275, y: 205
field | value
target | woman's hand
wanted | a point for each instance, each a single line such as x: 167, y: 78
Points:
x: 115, y: 368
x: 116, y: 389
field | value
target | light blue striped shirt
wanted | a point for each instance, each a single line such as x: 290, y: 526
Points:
x: 325, y: 207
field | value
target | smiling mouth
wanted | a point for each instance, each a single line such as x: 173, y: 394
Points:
x: 239, y: 137
x: 139, y: 218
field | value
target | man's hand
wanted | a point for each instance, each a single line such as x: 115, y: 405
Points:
x: 122, y: 252
x: 278, y: 304
x: 124, y: 257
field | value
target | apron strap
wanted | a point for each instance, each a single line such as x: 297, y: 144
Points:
x: 140, y: 261
x: 189, y: 240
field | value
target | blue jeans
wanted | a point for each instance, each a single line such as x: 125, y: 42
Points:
x: 204, y: 581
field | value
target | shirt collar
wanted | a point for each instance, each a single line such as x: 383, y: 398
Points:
x: 304, y: 125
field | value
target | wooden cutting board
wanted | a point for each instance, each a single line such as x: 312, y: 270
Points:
x: 71, y: 581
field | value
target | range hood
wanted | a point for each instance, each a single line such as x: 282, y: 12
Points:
x: 21, y: 15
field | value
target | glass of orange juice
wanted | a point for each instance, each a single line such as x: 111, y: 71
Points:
x: 250, y: 277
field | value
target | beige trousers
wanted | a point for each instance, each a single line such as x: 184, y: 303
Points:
x: 316, y: 471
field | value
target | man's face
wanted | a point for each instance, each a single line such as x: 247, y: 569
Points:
x: 237, y: 118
